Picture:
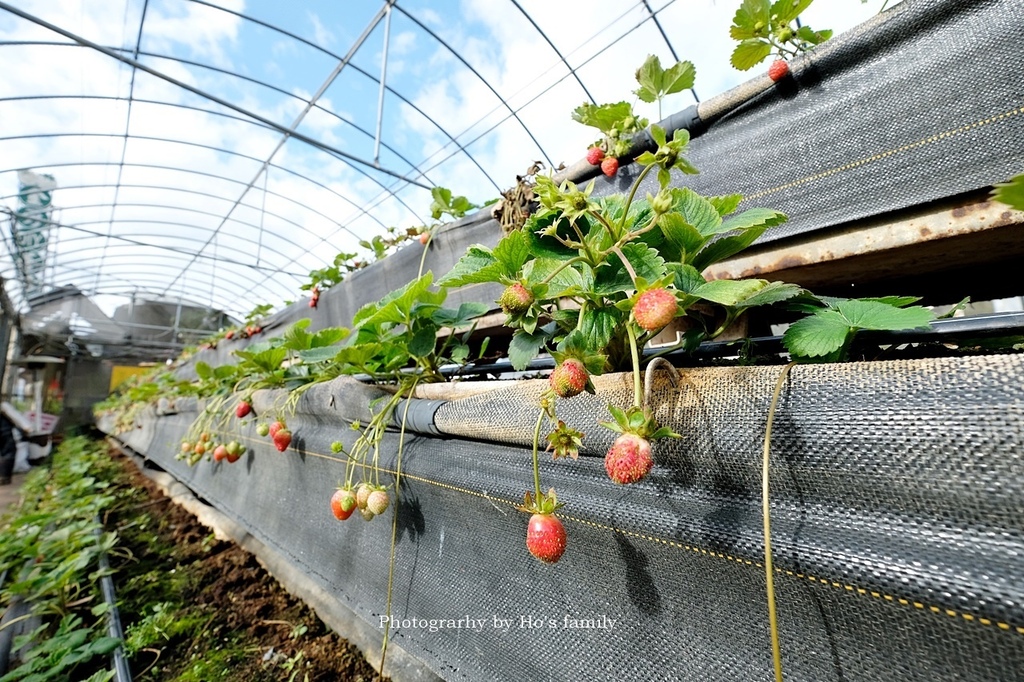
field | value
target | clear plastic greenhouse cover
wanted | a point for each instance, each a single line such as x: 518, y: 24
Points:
x: 214, y: 153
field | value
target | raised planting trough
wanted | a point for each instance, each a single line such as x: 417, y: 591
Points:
x: 898, y: 526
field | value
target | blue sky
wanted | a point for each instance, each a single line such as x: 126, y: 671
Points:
x: 209, y: 224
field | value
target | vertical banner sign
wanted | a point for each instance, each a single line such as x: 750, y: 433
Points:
x: 31, y: 227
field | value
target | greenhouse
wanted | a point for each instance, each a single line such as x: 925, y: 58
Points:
x: 505, y: 340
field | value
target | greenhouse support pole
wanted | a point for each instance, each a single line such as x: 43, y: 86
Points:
x: 383, y: 80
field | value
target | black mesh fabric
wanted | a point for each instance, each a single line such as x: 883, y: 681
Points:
x: 897, y: 526
x: 925, y: 105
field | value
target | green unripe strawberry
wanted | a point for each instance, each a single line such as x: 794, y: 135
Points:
x: 515, y: 300
x: 263, y: 429
x: 363, y: 494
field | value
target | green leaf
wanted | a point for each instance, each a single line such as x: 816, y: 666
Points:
x: 729, y: 292
x: 754, y: 217
x: 604, y: 116
x: 423, y: 340
x: 511, y: 252
x: 880, y: 316
x: 697, y: 211
x: 807, y: 34
x: 204, y: 371
x: 786, y: 11
x: 749, y: 53
x: 687, y: 278
x: 725, y: 247
x: 1011, y: 193
x: 358, y: 355
x: 897, y: 301
x: 524, y: 347
x: 773, y: 292
x: 328, y: 336
x: 681, y: 236
x: 678, y: 77
x: 547, y: 246
x: 315, y: 355
x: 267, y: 360
x: 598, y: 327
x: 649, y: 76
x: 820, y: 334
x: 726, y: 204
x: 477, y: 265
x: 225, y: 372
x: 568, y: 282
x: 750, y: 13
x: 613, y: 277
x: 296, y: 337
x: 467, y: 312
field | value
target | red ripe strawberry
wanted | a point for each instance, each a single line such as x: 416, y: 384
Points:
x: 569, y: 378
x: 262, y: 429
x: 378, y: 501
x: 282, y: 439
x: 629, y: 459
x: 595, y: 155
x: 610, y: 166
x: 343, y: 503
x: 545, y: 538
x: 230, y: 335
x: 220, y: 453
x: 778, y: 70
x: 243, y: 409
x: 363, y: 491
x: 515, y: 300
x: 274, y: 428
x: 655, y: 308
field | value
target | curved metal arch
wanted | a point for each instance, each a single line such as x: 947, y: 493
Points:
x: 115, y: 54
x: 178, y: 208
x: 556, y: 50
x: 550, y: 87
x: 230, y: 290
x: 476, y: 73
x: 228, y: 151
x: 164, y: 188
x: 139, y: 243
x: 76, y: 164
x: 360, y: 70
x: 151, y: 289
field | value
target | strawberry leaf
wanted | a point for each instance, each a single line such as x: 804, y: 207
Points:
x: 818, y: 335
x: 613, y: 277
x: 786, y: 11
x: 729, y: 292
x: 598, y: 327
x: 697, y: 211
x: 748, y: 16
x: 678, y: 77
x: 750, y: 53
x: 328, y: 336
x: 1011, y: 193
x: 726, y: 204
x: 681, y: 236
x: 524, y: 347
x: 467, y: 312
x: 603, y: 117
x: 807, y: 34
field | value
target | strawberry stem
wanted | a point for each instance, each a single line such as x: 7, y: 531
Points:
x: 773, y: 620
x: 632, y: 193
x: 536, y: 463
x: 635, y: 353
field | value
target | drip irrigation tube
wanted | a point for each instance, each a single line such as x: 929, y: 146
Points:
x: 122, y: 673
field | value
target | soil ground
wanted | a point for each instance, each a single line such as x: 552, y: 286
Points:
x: 232, y: 620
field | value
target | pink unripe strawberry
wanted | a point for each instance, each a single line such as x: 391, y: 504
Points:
x: 282, y: 439
x: 610, y: 166
x: 343, y: 503
x: 186, y: 446
x: 243, y: 409
x: 629, y: 459
x: 220, y: 453
x: 515, y: 300
x: 655, y: 308
x: 274, y: 428
x: 377, y: 502
x: 545, y: 538
x: 595, y: 155
x: 569, y: 378
x: 778, y: 70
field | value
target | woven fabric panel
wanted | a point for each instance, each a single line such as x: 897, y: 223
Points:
x: 927, y: 104
x: 897, y: 527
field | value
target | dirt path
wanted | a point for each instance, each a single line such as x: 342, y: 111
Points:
x: 237, y: 622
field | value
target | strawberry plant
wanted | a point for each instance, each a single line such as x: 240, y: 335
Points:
x: 763, y: 27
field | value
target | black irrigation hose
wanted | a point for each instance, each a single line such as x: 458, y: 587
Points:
x: 122, y: 673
